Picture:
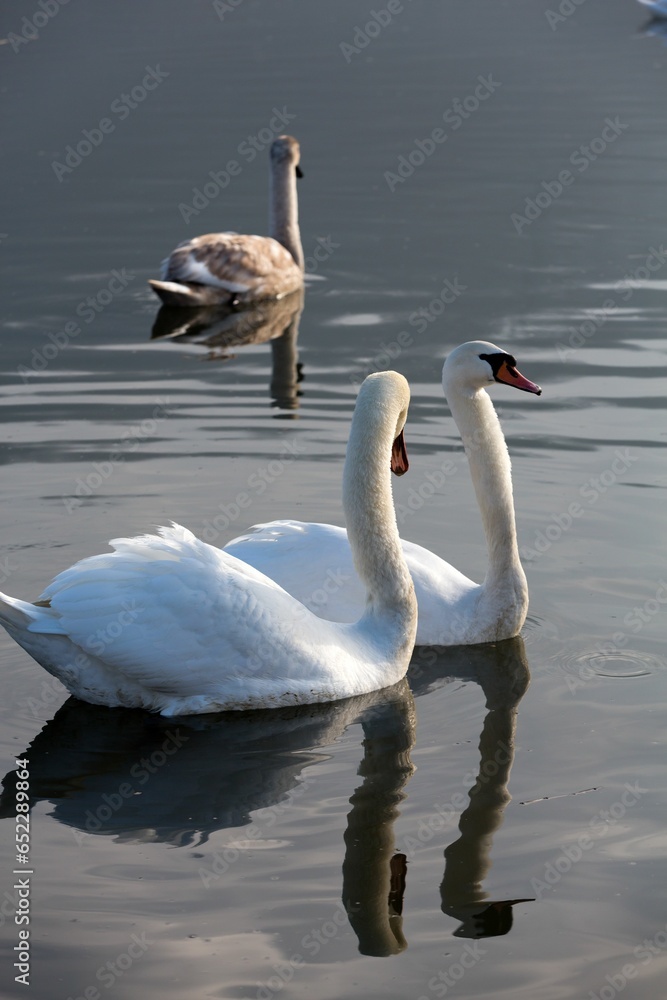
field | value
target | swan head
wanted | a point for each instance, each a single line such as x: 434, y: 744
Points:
x: 383, y: 399
x: 285, y: 151
x: 478, y: 364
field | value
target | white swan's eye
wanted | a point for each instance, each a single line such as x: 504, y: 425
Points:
x: 496, y: 361
x: 505, y: 370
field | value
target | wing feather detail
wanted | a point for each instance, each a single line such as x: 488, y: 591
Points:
x: 236, y: 263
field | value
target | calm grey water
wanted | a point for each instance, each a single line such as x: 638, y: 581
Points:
x: 221, y: 857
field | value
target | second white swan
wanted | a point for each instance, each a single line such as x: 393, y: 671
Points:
x: 314, y: 563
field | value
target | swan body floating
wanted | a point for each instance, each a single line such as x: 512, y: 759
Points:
x: 314, y: 563
x: 231, y: 268
x: 171, y: 624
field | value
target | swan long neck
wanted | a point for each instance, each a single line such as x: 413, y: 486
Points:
x: 490, y: 470
x: 284, y: 210
x: 370, y: 515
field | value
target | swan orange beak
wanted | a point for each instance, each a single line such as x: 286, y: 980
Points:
x: 512, y: 376
x: 399, y: 456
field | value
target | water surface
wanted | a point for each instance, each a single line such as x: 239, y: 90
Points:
x: 337, y: 850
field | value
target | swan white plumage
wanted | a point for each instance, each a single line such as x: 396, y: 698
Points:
x: 171, y: 624
x: 314, y: 563
x: 233, y: 268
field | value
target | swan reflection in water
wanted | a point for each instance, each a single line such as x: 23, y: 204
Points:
x: 223, y: 328
x: 502, y: 672
x: 144, y: 778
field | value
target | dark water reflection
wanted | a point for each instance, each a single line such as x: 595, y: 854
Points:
x: 221, y: 329
x: 137, y: 777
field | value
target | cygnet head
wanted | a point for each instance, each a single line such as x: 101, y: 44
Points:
x: 478, y: 364
x: 285, y: 151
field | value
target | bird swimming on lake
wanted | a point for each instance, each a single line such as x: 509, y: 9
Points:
x: 308, y: 559
x: 232, y: 268
x: 171, y: 624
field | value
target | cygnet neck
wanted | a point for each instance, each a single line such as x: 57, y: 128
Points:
x: 283, y: 209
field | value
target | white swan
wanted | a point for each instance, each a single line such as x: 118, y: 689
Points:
x: 231, y: 268
x: 171, y: 624
x: 313, y: 561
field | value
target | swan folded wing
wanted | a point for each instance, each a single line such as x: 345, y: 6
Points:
x: 433, y: 575
x: 237, y: 263
x: 312, y: 561
x: 178, y: 616
x: 291, y: 539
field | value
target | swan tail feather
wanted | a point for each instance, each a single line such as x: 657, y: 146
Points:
x: 176, y: 293
x: 21, y: 616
